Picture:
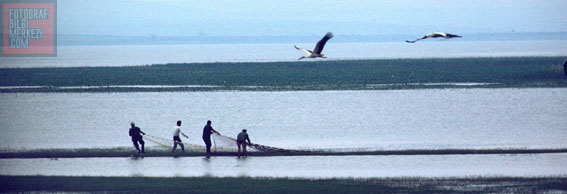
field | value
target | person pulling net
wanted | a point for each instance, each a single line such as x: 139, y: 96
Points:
x: 166, y: 143
x: 221, y: 144
x: 224, y: 142
x: 241, y: 142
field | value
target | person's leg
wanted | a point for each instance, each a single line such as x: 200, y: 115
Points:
x: 244, y: 150
x: 135, y: 142
x: 208, y: 145
x: 238, y: 144
x: 208, y: 148
x: 142, y: 143
x: 174, y: 144
x: 182, y: 146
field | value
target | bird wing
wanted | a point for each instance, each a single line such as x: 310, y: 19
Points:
x: 322, y: 42
x: 434, y: 35
x: 453, y: 35
x: 423, y: 37
x: 304, y: 50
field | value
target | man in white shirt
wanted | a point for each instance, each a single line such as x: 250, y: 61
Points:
x: 176, y: 139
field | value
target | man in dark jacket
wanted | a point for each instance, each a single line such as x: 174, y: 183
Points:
x: 136, y: 135
x: 207, y: 131
x: 241, y: 141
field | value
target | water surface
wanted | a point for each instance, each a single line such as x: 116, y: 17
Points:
x: 374, y: 120
x: 524, y: 165
x: 128, y: 55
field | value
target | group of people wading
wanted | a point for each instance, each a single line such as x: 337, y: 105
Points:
x: 241, y: 139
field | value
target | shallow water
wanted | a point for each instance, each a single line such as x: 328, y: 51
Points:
x: 128, y: 55
x: 522, y: 165
x: 368, y: 120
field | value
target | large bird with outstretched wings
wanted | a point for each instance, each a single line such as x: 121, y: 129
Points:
x: 435, y: 35
x: 318, y: 48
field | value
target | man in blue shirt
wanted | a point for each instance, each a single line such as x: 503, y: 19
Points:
x: 207, y: 131
x: 135, y: 133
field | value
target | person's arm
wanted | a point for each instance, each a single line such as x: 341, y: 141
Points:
x: 248, y: 138
x: 184, y: 134
x: 142, y: 132
x: 215, y: 131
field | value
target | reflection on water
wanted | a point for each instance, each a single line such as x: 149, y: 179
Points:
x: 523, y: 165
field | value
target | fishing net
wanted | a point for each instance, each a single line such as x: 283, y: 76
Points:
x: 168, y: 143
x: 224, y: 143
x: 229, y: 142
x: 221, y: 143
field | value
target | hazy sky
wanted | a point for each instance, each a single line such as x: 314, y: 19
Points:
x: 314, y: 17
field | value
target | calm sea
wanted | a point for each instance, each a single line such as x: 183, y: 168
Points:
x: 335, y: 120
x: 128, y: 55
x: 511, y: 165
x: 372, y: 120
x: 342, y: 120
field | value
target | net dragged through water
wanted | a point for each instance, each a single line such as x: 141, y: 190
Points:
x: 221, y: 143
x: 224, y: 141
x: 168, y: 143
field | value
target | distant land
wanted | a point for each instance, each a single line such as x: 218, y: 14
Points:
x: 373, y: 74
x: 75, y: 39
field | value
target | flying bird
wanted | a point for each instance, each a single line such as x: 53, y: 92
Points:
x: 318, y: 48
x: 435, y: 35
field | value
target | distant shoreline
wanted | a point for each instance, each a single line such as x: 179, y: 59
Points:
x: 126, y: 152
x: 378, y: 74
x: 352, y: 87
x: 114, y: 89
x: 82, y: 39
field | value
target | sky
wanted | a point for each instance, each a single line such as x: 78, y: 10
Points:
x: 306, y: 18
